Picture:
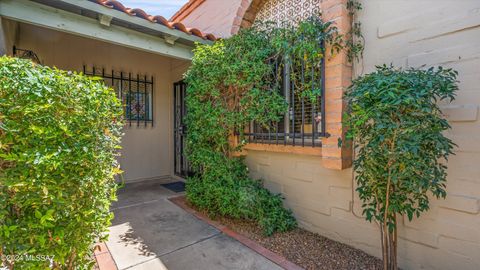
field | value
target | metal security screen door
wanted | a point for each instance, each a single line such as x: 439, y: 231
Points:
x: 181, y: 165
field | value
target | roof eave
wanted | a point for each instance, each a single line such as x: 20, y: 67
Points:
x: 80, y: 24
x: 135, y: 21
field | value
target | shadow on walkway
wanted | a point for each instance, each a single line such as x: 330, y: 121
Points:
x: 150, y: 232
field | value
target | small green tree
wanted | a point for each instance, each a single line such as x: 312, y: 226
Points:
x: 397, y: 128
x: 59, y: 137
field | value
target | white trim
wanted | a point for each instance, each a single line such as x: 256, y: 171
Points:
x: 45, y: 16
x: 88, y: 5
x: 105, y: 19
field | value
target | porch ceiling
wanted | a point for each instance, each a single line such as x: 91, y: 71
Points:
x: 88, y: 19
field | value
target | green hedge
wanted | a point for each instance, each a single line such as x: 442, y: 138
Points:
x: 227, y: 190
x: 59, y: 138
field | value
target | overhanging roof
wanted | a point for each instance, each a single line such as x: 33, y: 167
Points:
x: 89, y: 19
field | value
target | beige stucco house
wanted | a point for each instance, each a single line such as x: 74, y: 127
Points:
x: 143, y: 57
x: 146, y: 54
x: 317, y: 182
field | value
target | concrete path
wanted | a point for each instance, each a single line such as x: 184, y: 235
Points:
x: 150, y: 232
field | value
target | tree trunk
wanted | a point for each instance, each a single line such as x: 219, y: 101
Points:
x: 389, y: 247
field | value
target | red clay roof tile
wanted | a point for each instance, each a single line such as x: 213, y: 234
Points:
x: 114, y: 4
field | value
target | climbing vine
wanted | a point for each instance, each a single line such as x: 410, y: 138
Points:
x: 354, y: 42
x: 232, y: 83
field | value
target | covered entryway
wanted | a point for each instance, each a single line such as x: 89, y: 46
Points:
x: 140, y: 58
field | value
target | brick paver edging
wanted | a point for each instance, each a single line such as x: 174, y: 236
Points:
x: 103, y: 258
x: 272, y: 256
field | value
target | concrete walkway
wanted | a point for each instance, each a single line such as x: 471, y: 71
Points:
x: 150, y: 232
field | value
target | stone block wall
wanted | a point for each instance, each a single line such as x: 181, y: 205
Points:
x: 406, y: 34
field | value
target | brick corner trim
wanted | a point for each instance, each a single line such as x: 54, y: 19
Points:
x: 103, y: 258
x: 337, y: 78
x: 246, y: 14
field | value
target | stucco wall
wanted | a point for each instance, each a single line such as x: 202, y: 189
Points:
x: 8, y: 35
x: 435, y: 33
x: 214, y: 16
x: 147, y: 151
x: 405, y: 33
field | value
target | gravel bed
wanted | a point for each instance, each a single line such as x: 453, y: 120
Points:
x: 306, y: 249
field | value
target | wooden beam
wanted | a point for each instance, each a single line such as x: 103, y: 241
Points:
x: 37, y: 14
x: 105, y: 19
x: 170, y: 40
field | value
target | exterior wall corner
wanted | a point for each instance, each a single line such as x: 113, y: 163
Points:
x: 338, y: 76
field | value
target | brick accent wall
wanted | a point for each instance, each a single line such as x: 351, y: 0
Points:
x: 338, y: 70
x: 338, y: 76
x: 246, y: 14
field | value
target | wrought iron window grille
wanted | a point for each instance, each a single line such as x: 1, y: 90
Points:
x: 135, y: 92
x: 304, y: 122
x: 26, y: 54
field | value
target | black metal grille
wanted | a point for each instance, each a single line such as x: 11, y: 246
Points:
x: 135, y: 92
x: 182, y: 166
x: 304, y: 123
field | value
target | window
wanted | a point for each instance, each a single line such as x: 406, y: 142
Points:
x: 304, y: 123
x: 135, y: 92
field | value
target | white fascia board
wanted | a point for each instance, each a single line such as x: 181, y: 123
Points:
x: 88, y: 5
x: 45, y: 16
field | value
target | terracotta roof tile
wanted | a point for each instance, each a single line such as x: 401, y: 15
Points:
x: 114, y: 4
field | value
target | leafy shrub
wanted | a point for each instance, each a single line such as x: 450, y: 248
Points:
x: 228, y: 191
x: 226, y: 90
x: 59, y: 135
x: 230, y: 84
x: 397, y: 127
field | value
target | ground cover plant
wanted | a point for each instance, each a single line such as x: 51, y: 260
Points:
x: 397, y: 128
x: 230, y: 84
x: 59, y: 136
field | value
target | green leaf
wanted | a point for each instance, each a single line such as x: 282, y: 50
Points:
x: 55, y: 196
x: 394, y: 118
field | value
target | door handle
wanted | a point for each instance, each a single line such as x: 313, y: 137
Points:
x: 182, y: 129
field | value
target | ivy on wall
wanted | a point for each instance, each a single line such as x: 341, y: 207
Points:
x: 354, y: 43
x: 230, y: 84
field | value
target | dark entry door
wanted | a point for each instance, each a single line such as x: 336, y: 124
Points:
x: 181, y: 164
